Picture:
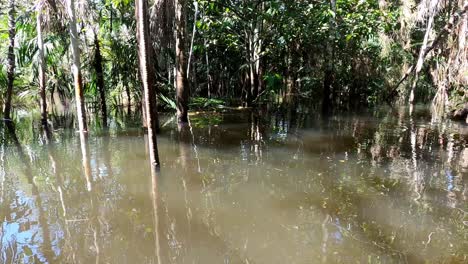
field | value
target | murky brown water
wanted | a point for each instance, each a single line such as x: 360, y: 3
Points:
x: 239, y: 187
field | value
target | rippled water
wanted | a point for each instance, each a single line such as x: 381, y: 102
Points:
x: 238, y: 187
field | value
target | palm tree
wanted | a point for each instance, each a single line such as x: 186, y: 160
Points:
x: 147, y: 78
x: 76, y: 67
x: 10, y: 60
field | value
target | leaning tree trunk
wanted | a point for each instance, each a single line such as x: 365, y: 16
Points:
x: 42, y: 65
x: 422, y: 53
x: 10, y: 61
x: 147, y: 78
x: 76, y: 67
x: 182, y: 84
x: 100, y: 79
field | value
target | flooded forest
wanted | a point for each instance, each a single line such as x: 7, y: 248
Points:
x: 233, y: 131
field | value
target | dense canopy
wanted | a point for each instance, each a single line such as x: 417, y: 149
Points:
x: 341, y: 54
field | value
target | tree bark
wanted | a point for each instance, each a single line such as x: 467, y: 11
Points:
x: 257, y: 44
x: 129, y: 96
x: 100, y: 79
x: 86, y: 159
x: 421, y: 56
x: 208, y: 76
x: 11, y: 60
x: 328, y: 82
x: 182, y: 84
x: 76, y: 67
x: 42, y: 65
x: 194, y: 32
x: 147, y: 78
x: 290, y: 71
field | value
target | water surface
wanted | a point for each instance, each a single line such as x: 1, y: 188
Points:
x: 238, y: 187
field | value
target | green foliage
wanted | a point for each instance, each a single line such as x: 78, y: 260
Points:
x: 273, y: 81
x: 167, y: 102
x: 206, y: 119
x: 358, y: 43
x: 206, y: 103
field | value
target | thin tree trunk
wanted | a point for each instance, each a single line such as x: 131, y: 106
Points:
x: 194, y: 31
x: 182, y: 88
x: 100, y: 79
x: 256, y: 51
x: 42, y: 65
x: 111, y: 20
x: 147, y: 78
x: 11, y: 60
x: 421, y: 56
x: 208, y: 76
x: 129, y: 96
x: 76, y: 67
x: 252, y: 66
x: 328, y: 83
x: 86, y: 159
x: 290, y: 79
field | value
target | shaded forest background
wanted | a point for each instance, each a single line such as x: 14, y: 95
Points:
x: 339, y: 54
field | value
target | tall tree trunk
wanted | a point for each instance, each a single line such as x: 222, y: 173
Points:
x: 182, y: 84
x: 328, y: 82
x: 100, y: 79
x: 42, y: 65
x: 194, y: 32
x: 257, y: 44
x: 129, y: 96
x: 290, y: 71
x: 76, y: 67
x: 251, y: 51
x: 147, y: 78
x: 11, y: 60
x: 208, y: 76
x: 422, y: 53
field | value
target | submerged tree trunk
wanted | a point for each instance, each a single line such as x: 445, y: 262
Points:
x: 100, y: 79
x: 11, y: 60
x: 86, y: 159
x: 147, y: 78
x: 76, y: 67
x: 42, y: 65
x: 327, y: 99
x: 182, y: 84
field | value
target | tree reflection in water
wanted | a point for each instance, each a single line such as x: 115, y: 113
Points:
x: 242, y: 187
